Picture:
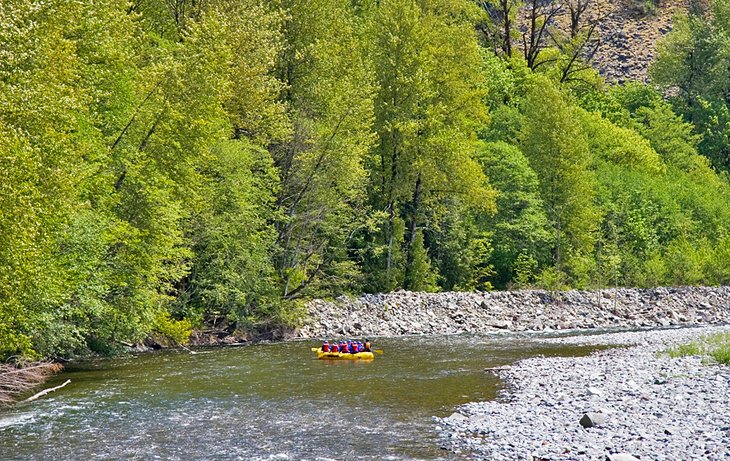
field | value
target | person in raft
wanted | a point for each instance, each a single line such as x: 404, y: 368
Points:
x: 349, y: 347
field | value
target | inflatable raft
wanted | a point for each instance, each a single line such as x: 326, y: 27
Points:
x: 343, y: 356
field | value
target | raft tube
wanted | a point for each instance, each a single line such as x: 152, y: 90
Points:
x: 344, y: 355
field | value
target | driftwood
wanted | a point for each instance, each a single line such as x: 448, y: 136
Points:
x: 16, y: 380
x: 47, y: 391
x: 497, y: 369
x: 192, y: 352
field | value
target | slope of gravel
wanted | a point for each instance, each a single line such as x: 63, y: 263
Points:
x: 628, y: 38
x: 655, y: 407
x: 406, y: 312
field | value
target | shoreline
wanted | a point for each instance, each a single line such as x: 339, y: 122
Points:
x: 18, y: 380
x: 404, y: 312
x: 653, y: 406
x: 411, y: 313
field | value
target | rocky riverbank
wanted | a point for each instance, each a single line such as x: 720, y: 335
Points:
x: 641, y: 404
x: 452, y: 313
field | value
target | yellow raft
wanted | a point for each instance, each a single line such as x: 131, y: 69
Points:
x: 343, y: 355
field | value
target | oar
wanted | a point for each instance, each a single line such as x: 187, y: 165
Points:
x: 377, y: 351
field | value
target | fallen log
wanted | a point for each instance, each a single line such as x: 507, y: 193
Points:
x: 47, y: 391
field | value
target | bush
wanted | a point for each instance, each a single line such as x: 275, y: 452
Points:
x: 716, y: 346
x: 176, y: 332
x: 646, y: 7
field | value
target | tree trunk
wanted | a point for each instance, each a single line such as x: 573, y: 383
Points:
x: 412, y: 226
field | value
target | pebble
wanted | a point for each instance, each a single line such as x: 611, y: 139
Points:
x: 405, y: 312
x: 551, y: 393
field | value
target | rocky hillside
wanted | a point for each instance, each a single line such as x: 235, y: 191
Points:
x: 629, y: 36
x: 628, y: 32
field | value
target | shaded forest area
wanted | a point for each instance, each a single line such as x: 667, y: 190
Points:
x: 167, y: 164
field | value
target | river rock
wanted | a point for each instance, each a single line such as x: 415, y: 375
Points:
x: 501, y: 324
x: 406, y: 312
x: 593, y: 419
x: 594, y: 391
x: 621, y: 457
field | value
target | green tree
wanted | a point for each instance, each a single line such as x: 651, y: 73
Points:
x: 620, y: 146
x: 691, y: 60
x: 642, y: 109
x: 558, y: 150
x: 520, y: 227
x: 232, y: 273
x: 42, y: 152
x: 328, y: 92
x: 428, y: 109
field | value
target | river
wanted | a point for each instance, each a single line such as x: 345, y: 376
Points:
x: 264, y: 402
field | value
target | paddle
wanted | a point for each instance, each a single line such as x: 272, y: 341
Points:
x: 377, y: 351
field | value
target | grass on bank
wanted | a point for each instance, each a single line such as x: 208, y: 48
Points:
x: 716, y: 346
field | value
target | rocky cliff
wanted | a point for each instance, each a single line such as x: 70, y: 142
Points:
x: 628, y: 32
x: 629, y: 35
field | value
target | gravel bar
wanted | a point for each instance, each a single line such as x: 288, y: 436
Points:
x: 635, y: 401
x: 408, y: 313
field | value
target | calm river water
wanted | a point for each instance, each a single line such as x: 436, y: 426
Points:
x: 263, y: 402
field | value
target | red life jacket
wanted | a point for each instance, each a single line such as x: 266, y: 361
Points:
x: 335, y: 348
x: 325, y: 347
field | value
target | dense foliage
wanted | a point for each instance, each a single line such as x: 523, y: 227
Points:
x: 165, y: 164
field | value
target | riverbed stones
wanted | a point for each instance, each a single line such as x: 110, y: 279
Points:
x: 593, y: 419
x: 657, y: 408
x: 550, y: 393
x: 405, y: 312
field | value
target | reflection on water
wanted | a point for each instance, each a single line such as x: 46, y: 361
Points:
x: 269, y: 401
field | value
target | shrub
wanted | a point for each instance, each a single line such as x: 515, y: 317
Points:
x: 716, y: 346
x: 173, y: 331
